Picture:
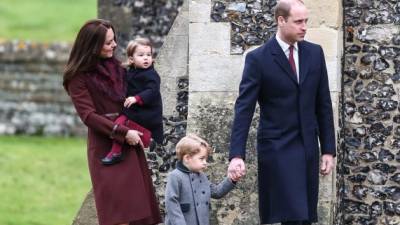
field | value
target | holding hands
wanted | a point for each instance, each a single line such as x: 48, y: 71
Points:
x: 236, y: 169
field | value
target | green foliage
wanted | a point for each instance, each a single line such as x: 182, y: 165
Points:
x: 42, y: 180
x: 44, y: 20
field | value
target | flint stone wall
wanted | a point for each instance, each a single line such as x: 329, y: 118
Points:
x: 370, y: 137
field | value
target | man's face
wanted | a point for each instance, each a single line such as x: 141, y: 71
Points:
x: 294, y: 28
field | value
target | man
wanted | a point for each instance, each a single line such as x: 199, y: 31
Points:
x: 287, y: 76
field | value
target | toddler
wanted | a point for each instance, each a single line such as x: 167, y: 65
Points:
x: 143, y: 104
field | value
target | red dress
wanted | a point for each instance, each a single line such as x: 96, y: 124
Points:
x: 124, y: 192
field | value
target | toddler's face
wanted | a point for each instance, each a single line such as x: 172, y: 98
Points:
x: 197, y: 162
x: 142, y: 57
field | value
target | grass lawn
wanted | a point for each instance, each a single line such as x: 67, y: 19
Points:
x: 43, y: 181
x: 44, y: 20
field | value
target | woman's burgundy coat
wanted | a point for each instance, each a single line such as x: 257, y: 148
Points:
x: 123, y: 192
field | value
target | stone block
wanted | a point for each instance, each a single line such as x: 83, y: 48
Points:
x: 211, y: 115
x: 199, y: 11
x: 173, y: 56
x: 326, y: 187
x: 334, y: 75
x: 171, y: 64
x: 336, y: 107
x: 381, y: 33
x: 328, y: 38
x: 181, y: 23
x: 325, y: 216
x: 324, y: 12
x: 215, y: 72
x: 209, y: 39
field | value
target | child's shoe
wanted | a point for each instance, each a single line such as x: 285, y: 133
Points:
x: 112, y: 158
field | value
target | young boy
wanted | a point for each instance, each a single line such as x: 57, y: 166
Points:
x: 188, y: 191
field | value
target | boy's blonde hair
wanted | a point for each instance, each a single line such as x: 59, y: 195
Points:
x: 191, y: 144
x: 132, y: 45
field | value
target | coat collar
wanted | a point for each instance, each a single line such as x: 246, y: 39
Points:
x: 181, y: 167
x: 304, y: 60
x: 281, y: 59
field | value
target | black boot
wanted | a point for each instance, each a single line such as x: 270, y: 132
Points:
x: 112, y: 159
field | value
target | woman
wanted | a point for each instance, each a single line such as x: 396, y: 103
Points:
x: 93, y: 78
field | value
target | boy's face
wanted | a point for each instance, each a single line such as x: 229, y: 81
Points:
x: 142, y: 57
x: 197, y: 162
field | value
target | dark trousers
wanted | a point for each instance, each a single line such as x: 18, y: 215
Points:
x: 296, y: 223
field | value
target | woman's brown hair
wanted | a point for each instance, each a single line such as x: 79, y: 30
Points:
x: 86, y: 48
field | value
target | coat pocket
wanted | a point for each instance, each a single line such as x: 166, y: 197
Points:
x: 185, y: 207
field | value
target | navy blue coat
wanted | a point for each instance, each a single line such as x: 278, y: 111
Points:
x: 292, y: 117
x: 146, y: 84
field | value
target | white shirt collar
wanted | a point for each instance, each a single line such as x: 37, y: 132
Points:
x: 285, y: 46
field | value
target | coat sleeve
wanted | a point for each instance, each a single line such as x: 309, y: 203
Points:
x: 172, y: 205
x: 220, y: 190
x: 244, y: 107
x: 151, y: 91
x: 324, y: 112
x: 86, y: 110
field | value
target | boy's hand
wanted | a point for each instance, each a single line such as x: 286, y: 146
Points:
x: 233, y: 178
x: 129, y: 101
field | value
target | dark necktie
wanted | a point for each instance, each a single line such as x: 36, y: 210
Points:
x: 291, y: 59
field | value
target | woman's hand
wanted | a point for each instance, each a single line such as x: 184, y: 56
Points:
x: 129, y: 101
x: 133, y: 138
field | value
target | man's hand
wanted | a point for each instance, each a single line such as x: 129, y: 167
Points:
x: 327, y: 164
x: 236, y: 169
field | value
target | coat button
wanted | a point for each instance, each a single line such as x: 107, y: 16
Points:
x: 204, y: 192
x: 206, y: 203
x: 197, y: 204
x: 192, y: 179
x: 195, y: 191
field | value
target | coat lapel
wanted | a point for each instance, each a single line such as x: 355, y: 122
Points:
x: 304, y: 59
x: 281, y: 60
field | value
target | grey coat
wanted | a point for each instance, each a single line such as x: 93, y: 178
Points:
x: 187, y: 196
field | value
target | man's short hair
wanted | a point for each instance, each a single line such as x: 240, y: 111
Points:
x: 283, y: 7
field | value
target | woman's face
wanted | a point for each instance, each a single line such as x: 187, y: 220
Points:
x: 109, y: 45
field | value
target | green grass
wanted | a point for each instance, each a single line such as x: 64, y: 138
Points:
x: 43, y: 181
x: 44, y: 20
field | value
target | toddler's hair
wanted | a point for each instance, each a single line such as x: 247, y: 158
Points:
x: 132, y: 45
x: 191, y: 144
